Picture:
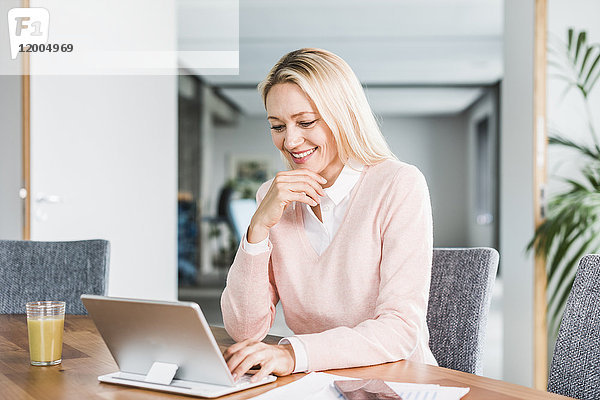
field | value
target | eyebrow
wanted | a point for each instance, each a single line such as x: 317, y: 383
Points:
x: 295, y: 115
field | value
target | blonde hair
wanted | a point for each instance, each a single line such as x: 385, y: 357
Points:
x: 339, y: 97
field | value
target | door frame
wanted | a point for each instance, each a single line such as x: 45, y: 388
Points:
x: 26, y: 142
x: 540, y: 146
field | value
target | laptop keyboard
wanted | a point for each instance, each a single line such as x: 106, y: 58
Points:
x: 185, y: 387
x: 244, y: 380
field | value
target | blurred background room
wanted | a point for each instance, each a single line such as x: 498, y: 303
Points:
x: 432, y: 79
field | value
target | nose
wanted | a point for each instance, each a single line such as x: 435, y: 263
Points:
x: 293, y: 138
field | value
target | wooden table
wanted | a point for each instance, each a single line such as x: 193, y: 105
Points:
x: 85, y: 357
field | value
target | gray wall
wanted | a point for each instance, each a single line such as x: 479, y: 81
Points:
x: 482, y: 234
x: 11, y: 206
x: 516, y: 193
x: 437, y: 145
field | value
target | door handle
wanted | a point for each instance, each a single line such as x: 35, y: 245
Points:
x: 47, y: 198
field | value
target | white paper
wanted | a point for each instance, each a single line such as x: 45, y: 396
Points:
x: 319, y: 386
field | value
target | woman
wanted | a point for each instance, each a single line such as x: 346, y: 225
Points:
x: 343, y: 238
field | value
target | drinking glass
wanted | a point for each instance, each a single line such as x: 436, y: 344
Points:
x: 45, y: 325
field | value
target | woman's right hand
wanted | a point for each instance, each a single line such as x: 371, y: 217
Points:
x: 300, y: 185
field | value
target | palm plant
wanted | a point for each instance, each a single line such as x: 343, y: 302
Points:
x: 572, y: 225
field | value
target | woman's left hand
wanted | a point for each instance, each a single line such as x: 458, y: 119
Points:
x: 273, y: 359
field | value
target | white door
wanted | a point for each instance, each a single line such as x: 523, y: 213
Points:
x: 104, y: 152
x: 103, y: 165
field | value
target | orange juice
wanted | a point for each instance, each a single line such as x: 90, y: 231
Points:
x: 45, y: 339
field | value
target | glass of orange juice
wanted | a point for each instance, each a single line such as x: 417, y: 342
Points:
x: 45, y: 325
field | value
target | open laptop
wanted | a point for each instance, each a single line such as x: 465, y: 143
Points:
x: 165, y: 346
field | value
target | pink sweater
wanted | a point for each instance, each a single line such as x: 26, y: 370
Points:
x: 364, y: 300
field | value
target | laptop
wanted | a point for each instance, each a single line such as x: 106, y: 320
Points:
x: 166, y: 346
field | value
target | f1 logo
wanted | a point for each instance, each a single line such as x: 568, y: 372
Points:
x: 27, y: 26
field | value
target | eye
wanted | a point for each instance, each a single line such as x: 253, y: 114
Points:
x: 277, y: 128
x: 307, y: 124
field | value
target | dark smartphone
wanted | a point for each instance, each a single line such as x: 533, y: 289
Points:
x: 365, y: 389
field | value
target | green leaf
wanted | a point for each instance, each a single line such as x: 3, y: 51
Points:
x: 571, y: 264
x: 580, y: 44
x: 569, y: 268
x: 572, y: 217
x: 555, y: 267
x: 588, y: 52
x: 595, y: 64
x: 554, y: 140
x: 576, y: 185
x: 592, y: 83
x: 560, y: 296
x: 569, y: 39
x: 592, y: 174
x: 563, y: 77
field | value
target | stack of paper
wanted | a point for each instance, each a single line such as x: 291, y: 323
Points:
x: 319, y: 386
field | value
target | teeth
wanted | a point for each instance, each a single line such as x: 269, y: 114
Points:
x: 300, y: 155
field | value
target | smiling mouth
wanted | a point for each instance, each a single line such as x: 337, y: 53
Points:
x: 303, y: 154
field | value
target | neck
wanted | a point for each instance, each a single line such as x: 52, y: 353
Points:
x: 332, y: 172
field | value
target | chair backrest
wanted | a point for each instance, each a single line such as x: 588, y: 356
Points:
x: 31, y: 271
x: 462, y: 281
x: 575, y: 368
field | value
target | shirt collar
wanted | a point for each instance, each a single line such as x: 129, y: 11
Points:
x: 345, y: 181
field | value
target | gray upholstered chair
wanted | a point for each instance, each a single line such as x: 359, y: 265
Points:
x: 462, y: 281
x: 575, y: 368
x: 31, y: 271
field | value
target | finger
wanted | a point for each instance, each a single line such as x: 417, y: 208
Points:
x: 243, y: 353
x: 303, y: 179
x: 235, y: 360
x: 237, y: 346
x: 265, y: 371
x: 304, y: 171
x: 247, y: 363
x: 305, y: 188
x: 303, y: 198
x: 234, y: 348
x: 297, y: 192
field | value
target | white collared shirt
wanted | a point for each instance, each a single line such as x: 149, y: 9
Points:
x: 320, y: 234
x: 333, y: 209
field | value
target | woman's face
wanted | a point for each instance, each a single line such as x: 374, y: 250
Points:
x: 300, y: 133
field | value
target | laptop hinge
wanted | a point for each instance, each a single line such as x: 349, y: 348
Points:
x: 161, y: 373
